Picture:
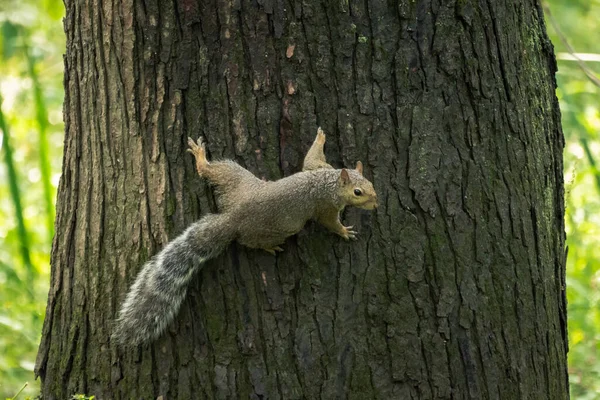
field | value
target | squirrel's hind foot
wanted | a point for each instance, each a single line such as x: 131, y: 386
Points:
x: 198, y: 149
x: 273, y: 250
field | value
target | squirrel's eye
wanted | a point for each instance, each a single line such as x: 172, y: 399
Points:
x: 357, y: 192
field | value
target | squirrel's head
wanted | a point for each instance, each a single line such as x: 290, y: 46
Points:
x: 356, y: 190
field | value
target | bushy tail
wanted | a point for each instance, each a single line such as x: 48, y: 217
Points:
x: 160, y: 287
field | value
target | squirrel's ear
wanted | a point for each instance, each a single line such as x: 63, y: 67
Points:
x: 345, y: 178
x: 359, y: 167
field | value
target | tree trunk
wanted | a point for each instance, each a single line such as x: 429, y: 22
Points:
x: 456, y: 288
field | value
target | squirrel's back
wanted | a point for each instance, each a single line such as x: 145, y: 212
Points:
x: 266, y: 216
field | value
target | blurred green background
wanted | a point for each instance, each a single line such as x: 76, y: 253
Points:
x: 31, y: 137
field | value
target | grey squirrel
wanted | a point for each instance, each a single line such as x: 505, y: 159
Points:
x: 256, y: 213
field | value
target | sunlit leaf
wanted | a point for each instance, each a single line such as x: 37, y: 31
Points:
x: 10, y: 34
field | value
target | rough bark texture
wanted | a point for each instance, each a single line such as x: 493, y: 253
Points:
x: 456, y: 286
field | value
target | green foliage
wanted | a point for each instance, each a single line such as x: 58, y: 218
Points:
x: 31, y: 137
x: 578, y: 95
x: 19, y: 392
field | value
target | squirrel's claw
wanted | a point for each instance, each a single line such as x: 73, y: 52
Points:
x: 192, y: 145
x: 273, y: 250
x: 196, y: 148
x: 348, y: 233
x: 320, y: 136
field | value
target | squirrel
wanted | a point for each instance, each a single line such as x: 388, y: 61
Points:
x: 258, y: 214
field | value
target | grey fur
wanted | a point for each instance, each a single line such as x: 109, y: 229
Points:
x: 161, y: 285
x: 256, y: 213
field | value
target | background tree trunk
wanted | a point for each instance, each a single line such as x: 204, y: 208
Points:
x: 456, y: 286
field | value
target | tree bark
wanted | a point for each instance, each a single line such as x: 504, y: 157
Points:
x: 456, y: 288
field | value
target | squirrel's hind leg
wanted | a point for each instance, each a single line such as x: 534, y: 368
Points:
x: 230, y: 179
x: 226, y: 173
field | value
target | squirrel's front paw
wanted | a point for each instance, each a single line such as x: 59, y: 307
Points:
x: 347, y: 233
x: 320, y: 136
